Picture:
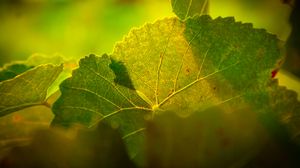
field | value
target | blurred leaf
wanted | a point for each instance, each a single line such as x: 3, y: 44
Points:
x: 292, y: 61
x: 189, y: 8
x: 69, y: 65
x: 102, y: 147
x: 39, y: 59
x: 91, y: 96
x: 16, y: 129
x: 278, y: 110
x: 271, y: 15
x: 12, y: 70
x: 210, y: 138
x: 281, y: 104
x: 28, y: 89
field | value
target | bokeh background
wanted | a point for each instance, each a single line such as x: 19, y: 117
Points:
x: 75, y: 28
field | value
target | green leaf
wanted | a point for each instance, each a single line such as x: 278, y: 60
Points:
x: 281, y: 105
x: 12, y: 70
x: 15, y: 68
x: 189, y: 8
x: 28, y: 89
x: 171, y: 65
x: 91, y: 96
x: 39, y: 59
x: 182, y: 66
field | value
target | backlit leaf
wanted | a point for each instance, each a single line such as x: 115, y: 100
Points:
x: 91, y: 96
x: 170, y: 65
x: 13, y: 70
x: 184, y: 65
x: 28, y: 89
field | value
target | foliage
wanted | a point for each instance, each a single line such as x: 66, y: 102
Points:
x: 182, y: 91
x: 28, y: 89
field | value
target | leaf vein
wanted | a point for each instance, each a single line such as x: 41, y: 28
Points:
x: 133, y: 133
x: 83, y: 108
x: 94, y: 93
x: 114, y: 86
x: 194, y: 82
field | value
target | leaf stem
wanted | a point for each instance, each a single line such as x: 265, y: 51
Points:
x: 47, y: 104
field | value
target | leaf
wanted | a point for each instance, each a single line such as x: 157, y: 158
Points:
x: 189, y: 8
x: 12, y: 70
x: 91, y: 96
x: 17, y: 128
x: 16, y: 68
x: 276, y: 103
x: 210, y: 138
x: 101, y: 147
x: 39, y: 59
x: 28, y: 89
x: 182, y: 66
x: 171, y: 65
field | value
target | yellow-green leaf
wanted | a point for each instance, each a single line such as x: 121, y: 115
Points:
x: 184, y: 65
x: 27, y: 89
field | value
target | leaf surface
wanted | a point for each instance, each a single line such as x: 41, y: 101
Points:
x: 277, y: 103
x: 189, y: 8
x: 28, y: 89
x: 10, y: 71
x: 184, y: 65
x: 91, y: 96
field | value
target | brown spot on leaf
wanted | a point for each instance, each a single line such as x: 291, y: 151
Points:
x: 187, y: 70
x: 17, y: 118
x: 223, y: 139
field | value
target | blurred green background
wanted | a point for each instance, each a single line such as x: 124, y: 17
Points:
x: 72, y: 28
x: 75, y: 28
